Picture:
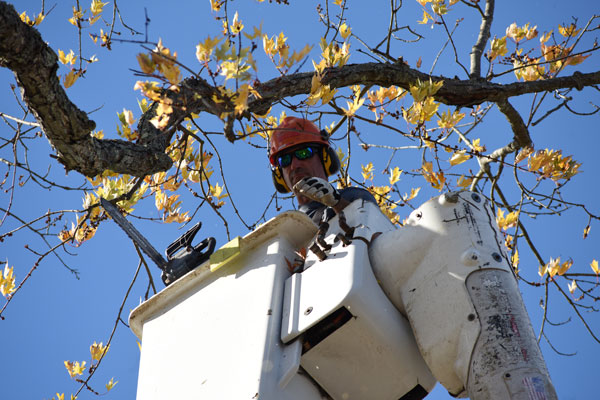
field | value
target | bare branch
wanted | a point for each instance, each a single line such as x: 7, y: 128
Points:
x: 484, y: 35
x: 516, y: 123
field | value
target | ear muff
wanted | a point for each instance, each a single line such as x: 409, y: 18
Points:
x: 331, y: 162
x: 278, y: 180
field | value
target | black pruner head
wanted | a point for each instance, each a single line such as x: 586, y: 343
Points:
x: 183, y: 257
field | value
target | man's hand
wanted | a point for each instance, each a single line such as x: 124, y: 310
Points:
x: 318, y: 189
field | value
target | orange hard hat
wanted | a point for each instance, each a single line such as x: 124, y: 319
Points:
x: 292, y: 132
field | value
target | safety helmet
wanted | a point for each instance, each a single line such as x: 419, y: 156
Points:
x: 295, y: 131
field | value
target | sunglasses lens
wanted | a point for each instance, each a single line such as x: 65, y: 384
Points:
x: 284, y: 160
x: 304, y: 153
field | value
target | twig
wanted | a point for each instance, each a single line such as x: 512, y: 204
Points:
x: 85, y: 383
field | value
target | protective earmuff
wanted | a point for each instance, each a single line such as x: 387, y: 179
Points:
x: 331, y: 161
x: 278, y: 180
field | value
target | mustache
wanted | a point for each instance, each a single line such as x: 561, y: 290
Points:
x: 297, y: 174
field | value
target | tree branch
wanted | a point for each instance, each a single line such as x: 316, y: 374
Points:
x: 516, y: 123
x: 34, y: 64
x: 68, y: 128
x: 484, y: 35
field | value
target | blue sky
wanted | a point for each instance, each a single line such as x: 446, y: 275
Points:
x: 56, y: 317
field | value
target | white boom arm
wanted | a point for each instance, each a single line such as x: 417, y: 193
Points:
x: 448, y: 272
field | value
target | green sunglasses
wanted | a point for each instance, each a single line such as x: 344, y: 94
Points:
x: 302, y: 153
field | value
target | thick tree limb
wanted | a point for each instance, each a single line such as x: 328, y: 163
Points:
x: 67, y: 127
x: 456, y: 92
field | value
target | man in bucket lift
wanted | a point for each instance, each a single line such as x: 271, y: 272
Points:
x: 301, y: 158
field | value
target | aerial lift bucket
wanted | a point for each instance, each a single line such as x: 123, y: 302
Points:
x: 263, y: 319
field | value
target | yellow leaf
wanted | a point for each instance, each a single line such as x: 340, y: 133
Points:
x: 552, y: 164
x: 523, y: 154
x: 554, y: 266
x: 345, y: 30
x: 426, y: 18
x: 430, y: 107
x: 517, y: 33
x: 77, y: 15
x: 353, y: 106
x: 97, y: 6
x: 93, y: 20
x: 464, y: 182
x: 146, y: 63
x: 177, y: 216
x: 342, y: 157
x: 257, y: 32
x: 332, y: 55
x: 74, y: 368
x: 241, y: 100
x: 111, y: 384
x: 572, y: 287
x: 395, y: 175
x: 439, y: 7
x: 586, y: 231
x: 568, y: 31
x: 236, y: 69
x: 38, y: 20
x: 60, y: 396
x: 205, y: 49
x: 595, y: 268
x: 542, y: 270
x: 507, y: 222
x: 422, y: 89
x: 380, y: 193
x: 165, y: 63
x: 546, y: 37
x: 367, y: 171
x: 449, y: 120
x: 128, y: 116
x: 7, y: 281
x: 515, y: 261
x: 413, y: 193
x: 98, y: 350
x: 436, y: 179
x: 498, y: 48
x: 476, y: 145
x: 319, y: 92
x: 459, y: 157
x: 216, y: 191
x: 236, y: 26
x: 216, y: 5
x: 564, y: 267
x: 70, y: 79
x: 67, y: 59
x: 148, y: 89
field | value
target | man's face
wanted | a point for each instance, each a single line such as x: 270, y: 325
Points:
x: 298, y: 169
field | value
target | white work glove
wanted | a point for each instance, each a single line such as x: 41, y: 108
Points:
x: 318, y: 189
